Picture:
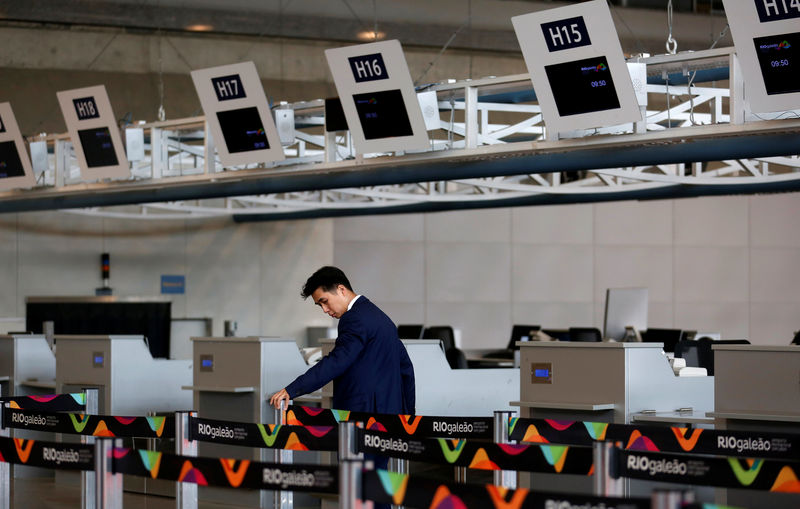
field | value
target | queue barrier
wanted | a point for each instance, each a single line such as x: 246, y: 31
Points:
x: 93, y: 425
x: 72, y: 402
x: 271, y: 436
x: 36, y: 453
x: 658, y: 438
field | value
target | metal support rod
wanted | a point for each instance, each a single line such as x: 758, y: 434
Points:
x: 399, y: 466
x: 209, y: 153
x: 607, y: 482
x: 461, y: 475
x: 350, y: 467
x: 282, y: 499
x: 5, y: 468
x: 89, y: 479
x: 108, y: 493
x: 505, y: 478
x: 470, y: 117
x: 671, y: 499
x: 185, y: 493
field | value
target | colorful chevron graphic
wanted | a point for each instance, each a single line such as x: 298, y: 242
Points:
x: 102, y: 430
x: 319, y: 431
x: 191, y: 474
x: 512, y: 423
x: 639, y: 442
x: 235, y: 475
x: 13, y: 404
x: 559, y: 425
x: 556, y: 455
x: 409, y: 425
x: 312, y: 411
x: 451, y: 454
x: 79, y: 397
x: 532, y: 435
x: 79, y: 421
x: 292, y: 419
x: 787, y: 481
x: 687, y: 444
x: 481, y: 461
x: 374, y: 425
x: 125, y: 421
x: 498, y: 495
x: 270, y: 436
x: 394, y: 485
x: 746, y: 477
x: 293, y: 443
x: 151, y: 461
x: 24, y: 448
x: 513, y: 449
x: 596, y: 430
x: 157, y: 424
x: 443, y: 499
x: 120, y: 452
x: 2, y: 459
x: 341, y: 415
x: 44, y: 399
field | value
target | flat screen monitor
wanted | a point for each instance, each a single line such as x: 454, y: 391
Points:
x: 98, y: 147
x: 334, y: 115
x: 582, y: 86
x: 383, y: 114
x: 243, y: 130
x: 10, y: 163
x: 778, y: 57
x: 624, y: 307
x: 522, y: 333
x: 669, y: 337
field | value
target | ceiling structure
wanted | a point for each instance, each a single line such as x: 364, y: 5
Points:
x: 489, y: 149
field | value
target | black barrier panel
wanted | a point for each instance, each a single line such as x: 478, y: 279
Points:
x: 417, y: 426
x: 759, y: 474
x: 225, y: 472
x: 50, y: 403
x: 386, y: 487
x: 480, y: 455
x: 658, y: 438
x: 46, y: 454
x: 94, y: 425
x: 272, y: 436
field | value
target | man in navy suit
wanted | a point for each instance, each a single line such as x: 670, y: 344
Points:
x: 369, y: 365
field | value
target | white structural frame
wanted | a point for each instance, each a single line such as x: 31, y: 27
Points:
x: 179, y: 154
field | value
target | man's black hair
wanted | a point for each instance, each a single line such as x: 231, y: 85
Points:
x: 327, y: 278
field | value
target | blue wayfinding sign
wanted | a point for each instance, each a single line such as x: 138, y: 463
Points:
x: 173, y: 284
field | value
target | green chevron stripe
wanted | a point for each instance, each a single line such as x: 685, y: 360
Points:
x: 746, y: 477
x: 79, y: 425
x: 451, y: 455
x: 268, y: 439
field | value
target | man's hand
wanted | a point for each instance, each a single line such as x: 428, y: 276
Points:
x: 279, y: 396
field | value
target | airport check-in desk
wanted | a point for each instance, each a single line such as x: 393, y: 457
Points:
x: 606, y: 382
x: 129, y: 381
x: 757, y: 388
x: 233, y: 380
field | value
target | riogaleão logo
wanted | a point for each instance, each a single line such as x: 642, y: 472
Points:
x: 746, y: 477
x: 79, y: 421
x: 24, y: 448
x: 410, y: 425
x: 451, y: 454
x: 270, y: 436
x: 234, y: 474
x: 687, y: 444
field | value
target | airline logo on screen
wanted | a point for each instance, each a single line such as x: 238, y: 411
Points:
x: 86, y: 108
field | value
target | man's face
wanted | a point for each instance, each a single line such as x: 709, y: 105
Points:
x: 333, y: 303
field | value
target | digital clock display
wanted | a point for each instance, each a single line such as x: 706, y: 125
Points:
x: 582, y: 86
x: 777, y: 57
x: 10, y: 163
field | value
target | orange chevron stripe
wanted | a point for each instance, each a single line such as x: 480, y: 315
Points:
x: 411, y: 427
x: 498, y: 496
x: 560, y: 463
x: 293, y: 443
x: 441, y: 494
x: 786, y: 481
x: 102, y: 430
x: 23, y: 449
x: 680, y: 435
x: 235, y: 477
x: 636, y: 434
x: 292, y: 420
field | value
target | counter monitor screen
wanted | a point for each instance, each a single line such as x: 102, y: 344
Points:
x: 582, y: 86
x: 778, y: 58
x: 10, y: 163
x: 243, y: 130
x: 383, y: 114
x: 334, y: 115
x: 98, y: 148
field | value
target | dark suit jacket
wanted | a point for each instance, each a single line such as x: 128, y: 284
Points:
x: 369, y: 365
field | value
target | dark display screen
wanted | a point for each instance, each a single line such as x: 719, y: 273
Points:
x: 778, y: 58
x: 334, y: 115
x: 98, y: 147
x: 243, y: 130
x: 383, y: 114
x: 10, y: 164
x: 582, y: 86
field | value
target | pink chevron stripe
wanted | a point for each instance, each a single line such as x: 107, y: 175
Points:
x: 120, y: 452
x: 559, y: 425
x: 44, y: 399
x: 125, y: 420
x: 513, y: 448
x: 319, y: 431
x: 312, y: 411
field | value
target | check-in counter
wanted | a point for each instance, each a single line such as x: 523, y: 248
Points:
x: 29, y: 364
x: 233, y: 379
x: 606, y: 382
x: 757, y: 388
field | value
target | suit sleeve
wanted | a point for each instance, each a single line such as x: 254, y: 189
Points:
x: 349, y: 344
x: 407, y: 376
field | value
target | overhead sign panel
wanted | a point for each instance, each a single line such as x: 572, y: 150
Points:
x: 378, y: 97
x: 577, y: 68
x: 15, y: 165
x: 238, y: 114
x: 95, y: 136
x: 766, y: 34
